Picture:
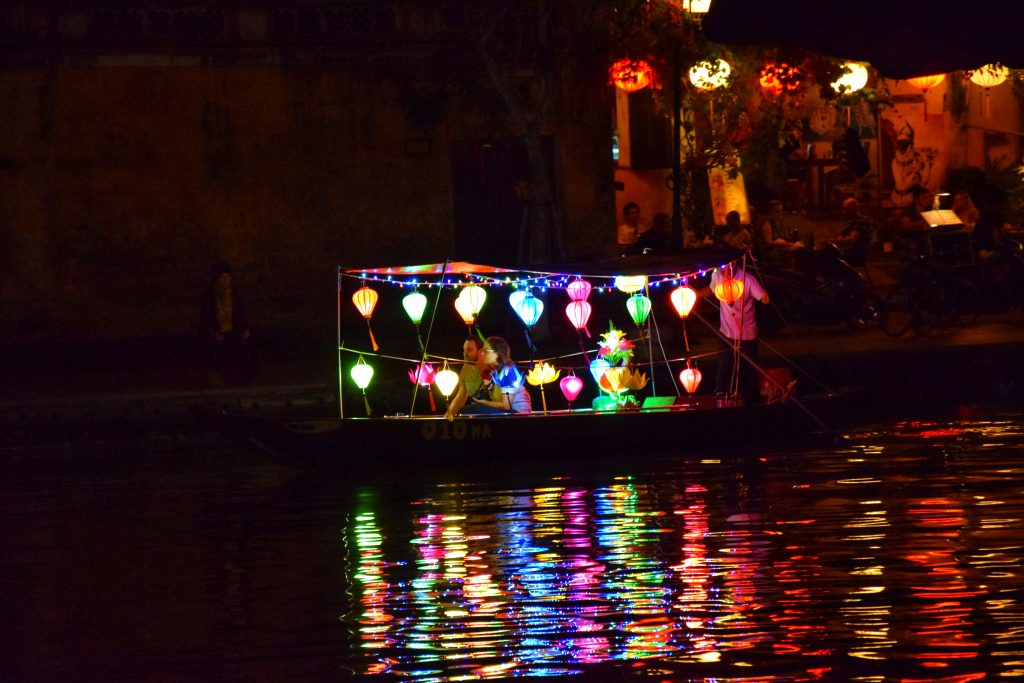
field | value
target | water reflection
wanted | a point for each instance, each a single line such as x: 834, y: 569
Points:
x: 895, y: 559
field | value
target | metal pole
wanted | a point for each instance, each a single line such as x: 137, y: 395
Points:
x: 341, y: 403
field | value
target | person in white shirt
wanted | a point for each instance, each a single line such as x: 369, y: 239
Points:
x: 737, y: 323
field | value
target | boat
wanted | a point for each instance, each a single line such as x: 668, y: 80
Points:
x: 626, y: 414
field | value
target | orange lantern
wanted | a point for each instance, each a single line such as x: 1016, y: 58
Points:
x: 690, y: 378
x: 465, y: 309
x: 729, y: 290
x: 924, y: 84
x: 776, y: 78
x: 683, y: 298
x: 365, y: 299
x: 631, y: 74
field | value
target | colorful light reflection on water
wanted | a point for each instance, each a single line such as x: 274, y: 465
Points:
x: 896, y: 559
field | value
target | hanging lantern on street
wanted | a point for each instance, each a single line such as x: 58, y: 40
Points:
x: 778, y: 78
x: 697, y: 7
x: 529, y: 309
x: 571, y: 386
x: 690, y: 378
x: 476, y: 295
x: 630, y: 284
x: 710, y: 75
x: 414, y: 304
x: 924, y: 84
x: 578, y: 313
x: 631, y: 75
x: 446, y: 380
x: 989, y: 76
x: 361, y: 375
x: 729, y: 290
x: 854, y: 78
x: 578, y: 290
x: 464, y: 307
x: 683, y: 298
x: 365, y: 300
x: 639, y: 307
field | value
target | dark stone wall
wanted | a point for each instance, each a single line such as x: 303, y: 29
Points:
x: 121, y: 185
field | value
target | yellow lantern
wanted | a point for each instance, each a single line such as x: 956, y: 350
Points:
x: 854, y: 78
x: 683, y: 298
x: 476, y: 295
x: 446, y: 380
x: 361, y: 375
x: 631, y: 74
x: 630, y: 284
x: 465, y: 309
x: 541, y: 374
x: 708, y: 75
x: 990, y: 75
x: 729, y: 290
x: 365, y: 300
x: 697, y: 7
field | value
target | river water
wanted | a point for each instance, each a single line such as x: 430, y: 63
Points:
x: 162, y: 552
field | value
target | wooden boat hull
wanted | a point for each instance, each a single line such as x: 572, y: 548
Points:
x: 690, y: 425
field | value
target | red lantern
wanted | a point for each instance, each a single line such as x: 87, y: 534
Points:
x: 729, y: 290
x: 690, y: 378
x: 631, y: 74
x: 423, y: 374
x: 578, y: 313
x: 776, y: 78
x: 365, y: 299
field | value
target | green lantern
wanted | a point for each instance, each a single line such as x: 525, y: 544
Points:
x: 414, y: 304
x: 639, y: 307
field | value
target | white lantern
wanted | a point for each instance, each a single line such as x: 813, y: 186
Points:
x: 854, y: 78
x: 709, y: 75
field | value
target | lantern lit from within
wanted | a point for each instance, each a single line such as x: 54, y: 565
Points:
x: 446, y: 380
x: 423, y: 374
x: 697, y: 7
x: 361, y: 375
x: 855, y: 77
x: 571, y: 386
x: 639, y: 307
x: 690, y: 377
x: 465, y: 309
x: 414, y: 304
x: 476, y: 295
x: 729, y: 290
x: 516, y: 297
x: 924, y: 84
x: 541, y: 374
x: 365, y: 300
x: 617, y: 380
x: 776, y: 78
x: 578, y: 290
x: 529, y: 309
x: 990, y: 75
x: 683, y: 298
x: 630, y: 284
x: 631, y: 74
x: 578, y: 313
x: 709, y: 75
x: 598, y: 367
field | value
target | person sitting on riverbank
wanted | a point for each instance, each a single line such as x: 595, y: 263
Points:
x: 736, y: 236
x: 855, y: 239
x: 503, y: 391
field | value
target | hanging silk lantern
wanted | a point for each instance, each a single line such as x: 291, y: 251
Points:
x: 529, y: 309
x: 578, y: 313
x: 776, y: 78
x: 924, y: 84
x: 639, y: 307
x: 516, y: 297
x: 989, y: 76
x: 423, y: 375
x: 446, y: 380
x: 464, y: 307
x: 631, y: 75
x: 729, y: 290
x: 854, y: 78
x: 598, y: 367
x: 683, y: 298
x: 630, y: 284
x: 365, y: 299
x: 578, y: 290
x: 697, y: 7
x: 571, y: 386
x: 690, y: 378
x: 361, y: 375
x: 541, y: 374
x: 708, y: 75
x: 476, y: 295
x: 414, y: 304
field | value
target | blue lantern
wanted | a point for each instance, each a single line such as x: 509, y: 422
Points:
x: 528, y: 308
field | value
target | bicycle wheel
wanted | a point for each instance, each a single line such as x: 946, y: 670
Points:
x: 899, y: 311
x: 866, y: 313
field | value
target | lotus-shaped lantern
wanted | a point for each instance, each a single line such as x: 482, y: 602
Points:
x: 541, y: 374
x: 617, y: 380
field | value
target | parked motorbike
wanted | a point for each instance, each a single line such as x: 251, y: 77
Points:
x: 823, y: 289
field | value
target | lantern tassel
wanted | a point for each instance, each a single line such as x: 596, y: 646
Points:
x: 433, y: 406
x: 366, y: 402
x: 686, y: 339
x: 373, y: 341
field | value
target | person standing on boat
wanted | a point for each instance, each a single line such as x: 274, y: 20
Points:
x: 504, y: 390
x: 737, y: 325
x: 470, y: 376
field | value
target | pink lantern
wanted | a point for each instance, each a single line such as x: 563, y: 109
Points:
x: 690, y: 378
x: 578, y: 290
x: 571, y: 386
x: 423, y: 375
x: 578, y: 313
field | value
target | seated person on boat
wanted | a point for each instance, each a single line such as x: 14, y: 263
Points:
x: 504, y: 391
